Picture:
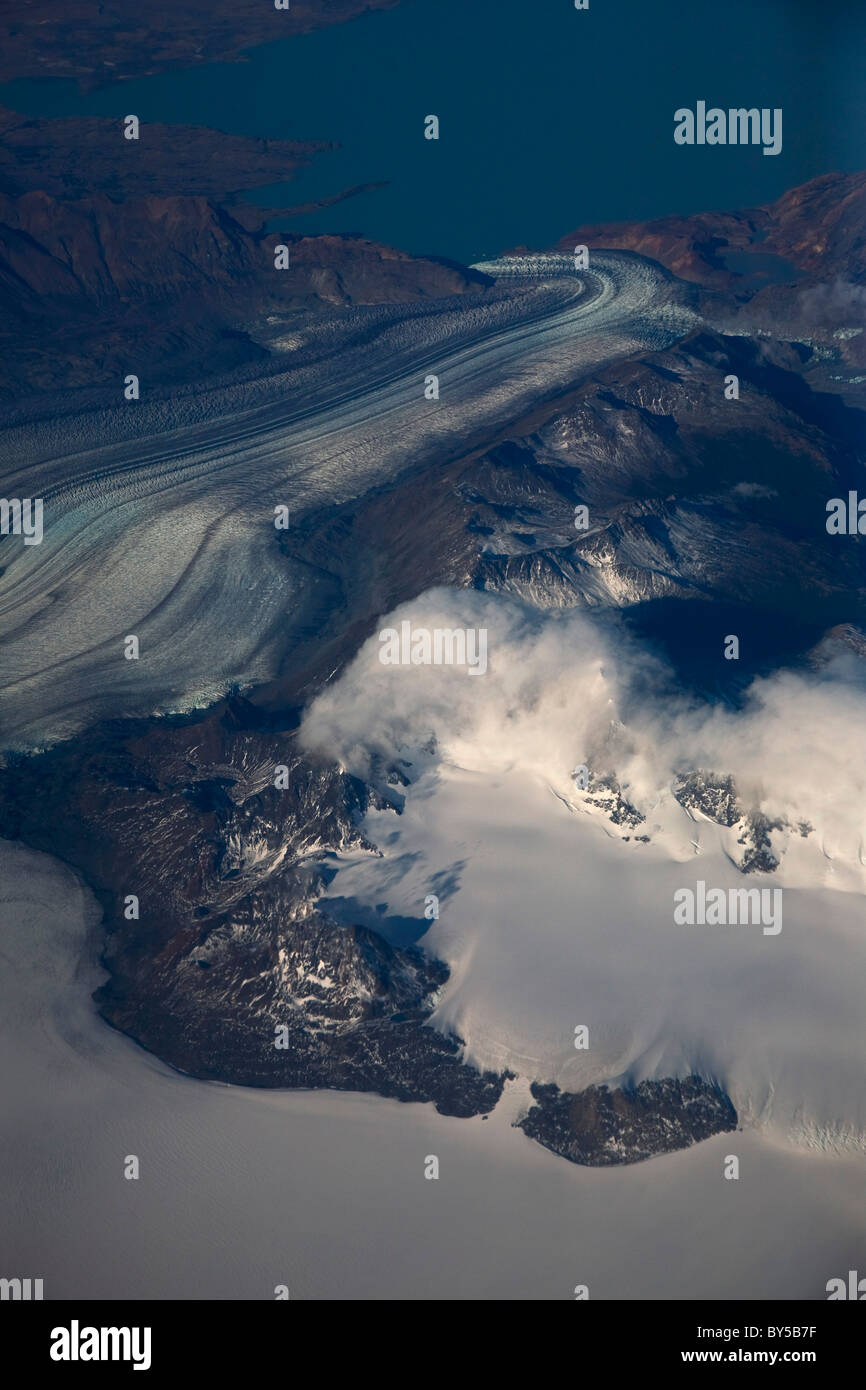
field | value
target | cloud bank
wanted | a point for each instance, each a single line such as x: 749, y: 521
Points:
x: 563, y: 689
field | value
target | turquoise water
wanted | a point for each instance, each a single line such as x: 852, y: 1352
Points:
x: 550, y: 117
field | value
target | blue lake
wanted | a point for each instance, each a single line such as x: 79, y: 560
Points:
x: 550, y: 117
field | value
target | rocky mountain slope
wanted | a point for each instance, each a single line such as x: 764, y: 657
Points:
x: 818, y: 227
x: 702, y: 512
x: 223, y: 964
x: 174, y: 287
x: 599, y: 1127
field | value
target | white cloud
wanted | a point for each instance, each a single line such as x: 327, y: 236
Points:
x: 557, y: 921
x: 563, y: 689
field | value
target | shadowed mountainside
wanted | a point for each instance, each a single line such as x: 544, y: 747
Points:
x: 173, y: 285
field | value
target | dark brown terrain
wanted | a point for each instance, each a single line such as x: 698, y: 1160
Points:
x: 181, y: 283
x: 818, y: 227
x: 96, y: 43
x: 76, y: 157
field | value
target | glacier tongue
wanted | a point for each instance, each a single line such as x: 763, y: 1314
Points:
x: 171, y: 538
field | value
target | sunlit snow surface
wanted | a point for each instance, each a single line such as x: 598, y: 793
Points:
x: 240, y: 1190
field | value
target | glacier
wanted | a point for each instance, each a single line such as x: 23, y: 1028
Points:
x: 168, y: 534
